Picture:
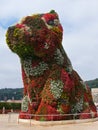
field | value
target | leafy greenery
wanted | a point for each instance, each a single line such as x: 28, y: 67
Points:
x: 9, y: 93
x: 14, y: 106
x: 92, y: 83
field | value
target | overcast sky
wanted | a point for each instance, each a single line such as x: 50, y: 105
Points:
x: 80, y: 40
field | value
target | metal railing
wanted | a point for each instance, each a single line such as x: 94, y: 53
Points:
x: 52, y: 116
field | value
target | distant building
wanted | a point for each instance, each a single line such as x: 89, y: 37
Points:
x: 14, y: 101
x: 95, y: 95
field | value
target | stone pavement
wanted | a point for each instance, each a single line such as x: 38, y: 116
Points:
x: 10, y: 123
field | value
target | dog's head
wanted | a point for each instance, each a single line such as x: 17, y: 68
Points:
x: 37, y: 35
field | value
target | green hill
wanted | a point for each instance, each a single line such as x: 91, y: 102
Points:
x: 9, y: 93
x: 93, y: 83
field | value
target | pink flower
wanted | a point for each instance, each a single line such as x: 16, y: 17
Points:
x: 20, y: 25
x: 48, y: 17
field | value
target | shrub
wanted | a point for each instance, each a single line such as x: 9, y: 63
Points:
x: 14, y: 106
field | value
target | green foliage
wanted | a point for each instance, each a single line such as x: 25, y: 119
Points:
x: 9, y: 93
x: 14, y: 106
x: 92, y: 83
x: 42, y: 119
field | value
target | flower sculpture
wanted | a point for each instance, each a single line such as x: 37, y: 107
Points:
x: 52, y: 88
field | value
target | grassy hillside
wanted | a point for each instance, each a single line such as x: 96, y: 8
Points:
x: 93, y: 83
x: 9, y: 93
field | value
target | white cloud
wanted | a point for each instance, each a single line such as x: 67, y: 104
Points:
x: 81, y: 44
x: 10, y: 68
x: 79, y: 9
x: 10, y: 71
x: 20, y: 8
x: 2, y: 32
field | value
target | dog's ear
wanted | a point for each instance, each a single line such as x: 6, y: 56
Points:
x: 53, y: 12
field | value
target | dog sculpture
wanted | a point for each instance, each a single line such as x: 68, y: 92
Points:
x: 52, y: 88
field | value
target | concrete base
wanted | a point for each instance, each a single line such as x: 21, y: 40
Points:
x: 50, y: 123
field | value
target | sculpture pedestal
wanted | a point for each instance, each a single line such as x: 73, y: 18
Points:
x: 52, y: 123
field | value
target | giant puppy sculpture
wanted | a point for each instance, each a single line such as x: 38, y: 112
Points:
x: 52, y: 88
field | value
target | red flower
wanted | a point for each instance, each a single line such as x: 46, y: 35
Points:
x: 67, y: 80
x: 85, y: 114
x: 24, y: 115
x: 48, y: 16
x: 60, y: 27
x: 93, y: 110
x: 86, y: 97
x: 65, y: 108
x: 33, y: 83
x: 20, y: 25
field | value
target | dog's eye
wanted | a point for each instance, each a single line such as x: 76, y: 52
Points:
x: 54, y: 22
x: 50, y: 22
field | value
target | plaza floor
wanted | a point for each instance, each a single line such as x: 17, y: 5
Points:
x: 10, y: 122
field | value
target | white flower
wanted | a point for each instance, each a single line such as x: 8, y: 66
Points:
x: 48, y: 26
x: 46, y: 46
x: 25, y: 29
x: 78, y: 107
x: 84, y: 84
x: 56, y: 88
x: 59, y: 57
x: 25, y: 102
x: 56, y: 22
x: 34, y: 71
